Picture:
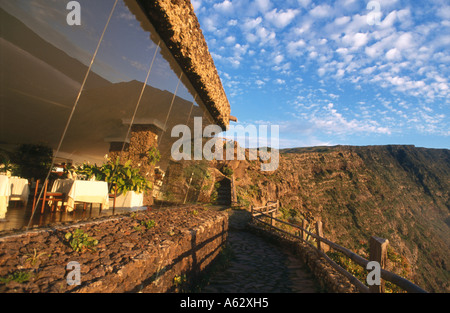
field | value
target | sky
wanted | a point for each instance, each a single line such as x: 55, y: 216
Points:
x: 345, y: 72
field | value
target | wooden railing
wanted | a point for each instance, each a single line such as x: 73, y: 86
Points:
x: 233, y: 191
x: 267, y: 215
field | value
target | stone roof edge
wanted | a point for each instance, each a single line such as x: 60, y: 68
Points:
x: 178, y: 27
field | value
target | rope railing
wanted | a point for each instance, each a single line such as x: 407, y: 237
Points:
x: 378, y: 249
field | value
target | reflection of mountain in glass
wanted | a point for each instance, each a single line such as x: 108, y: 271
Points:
x: 39, y: 85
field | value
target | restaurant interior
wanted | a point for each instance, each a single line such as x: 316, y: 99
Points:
x: 77, y: 103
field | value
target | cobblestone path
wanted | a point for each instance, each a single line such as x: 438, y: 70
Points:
x: 258, y: 266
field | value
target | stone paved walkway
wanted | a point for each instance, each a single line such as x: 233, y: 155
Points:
x: 258, y: 266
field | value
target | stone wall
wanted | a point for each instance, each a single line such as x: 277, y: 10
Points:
x: 329, y: 278
x: 128, y: 258
x: 142, y: 139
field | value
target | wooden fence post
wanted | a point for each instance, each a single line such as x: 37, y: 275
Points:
x: 378, y: 253
x: 251, y: 208
x: 320, y: 234
x: 304, y: 225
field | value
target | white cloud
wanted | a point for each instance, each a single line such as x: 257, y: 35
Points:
x: 387, y: 3
x: 250, y: 24
x: 368, y: 70
x: 304, y: 3
x: 196, y: 4
x: 209, y: 24
x: 444, y: 12
x: 304, y: 28
x: 284, y: 68
x: 321, y: 71
x: 389, y: 20
x: 240, y: 49
x: 340, y: 72
x: 296, y: 47
x: 360, y: 39
x: 404, y: 41
x: 263, y: 5
x: 342, y: 20
x: 393, y: 54
x: 260, y: 83
x: 356, y: 40
x: 230, y: 40
x: 313, y: 54
x: 251, y: 38
x: 282, y: 18
x: 265, y: 35
x: 278, y: 59
x: 332, y: 122
x: 321, y: 11
x: 224, y: 7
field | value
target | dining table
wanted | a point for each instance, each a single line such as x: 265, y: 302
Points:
x: 20, y: 189
x: 84, y: 191
x: 5, y: 193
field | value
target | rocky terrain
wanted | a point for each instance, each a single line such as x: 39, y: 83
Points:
x: 400, y: 193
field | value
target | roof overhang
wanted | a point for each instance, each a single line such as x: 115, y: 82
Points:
x: 178, y: 27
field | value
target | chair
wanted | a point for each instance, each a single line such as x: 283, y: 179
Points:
x: 47, y: 197
x: 113, y: 196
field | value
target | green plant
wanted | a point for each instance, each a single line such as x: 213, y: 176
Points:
x: 196, y: 173
x: 179, y: 279
x: 34, y: 257
x: 81, y: 241
x: 33, y: 160
x: 153, y: 155
x: 148, y: 224
x: 227, y: 171
x: 123, y: 176
x: 17, y: 276
x: 213, y: 196
x: 350, y: 266
x: 6, y: 164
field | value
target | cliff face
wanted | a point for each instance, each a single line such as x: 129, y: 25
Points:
x: 400, y: 193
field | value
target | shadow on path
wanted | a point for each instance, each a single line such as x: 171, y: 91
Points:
x: 258, y: 266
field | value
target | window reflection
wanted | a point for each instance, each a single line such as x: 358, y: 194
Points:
x: 48, y: 59
x: 134, y: 81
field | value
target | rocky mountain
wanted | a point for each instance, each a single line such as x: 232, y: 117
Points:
x: 400, y: 193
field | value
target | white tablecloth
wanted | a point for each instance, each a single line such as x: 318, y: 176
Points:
x: 5, y: 192
x: 20, y: 189
x: 82, y: 191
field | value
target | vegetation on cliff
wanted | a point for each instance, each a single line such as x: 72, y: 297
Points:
x: 400, y: 193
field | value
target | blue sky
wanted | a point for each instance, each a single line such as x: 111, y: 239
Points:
x: 328, y: 74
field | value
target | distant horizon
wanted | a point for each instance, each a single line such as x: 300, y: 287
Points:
x: 340, y: 145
